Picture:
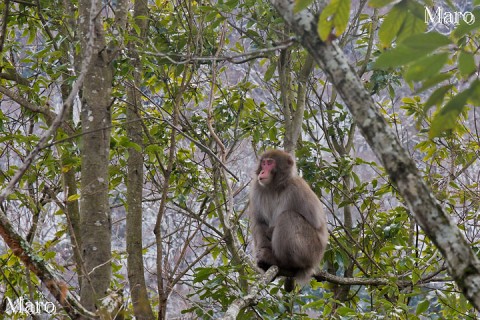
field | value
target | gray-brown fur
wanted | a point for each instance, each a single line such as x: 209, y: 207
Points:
x: 288, y: 224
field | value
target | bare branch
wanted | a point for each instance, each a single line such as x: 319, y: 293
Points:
x: 175, y: 58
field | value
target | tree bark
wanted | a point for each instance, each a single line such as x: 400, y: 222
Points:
x: 72, y: 208
x: 96, y: 120
x: 463, y: 264
x: 136, y: 276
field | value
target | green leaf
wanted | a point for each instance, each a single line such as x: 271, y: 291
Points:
x: 211, y: 16
x: 433, y: 81
x: 342, y: 16
x: 202, y: 274
x: 466, y: 63
x: 392, y: 25
x: 411, y: 26
x: 422, y: 307
x: 446, y: 118
x: 301, y: 5
x: 411, y: 49
x: 437, y: 97
x: 317, y: 303
x: 137, y: 29
x: 402, y: 21
x: 396, y: 57
x: 379, y: 3
x: 426, y: 67
x: 426, y: 42
x: 32, y: 35
x: 334, y: 16
x: 464, y: 28
x: 345, y: 311
x: 356, y: 178
x: 270, y: 71
x: 49, y: 255
x: 415, y: 276
x: 272, y: 133
x: 73, y: 197
x: 475, y: 93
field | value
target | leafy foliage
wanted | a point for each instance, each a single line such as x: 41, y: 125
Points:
x: 425, y: 56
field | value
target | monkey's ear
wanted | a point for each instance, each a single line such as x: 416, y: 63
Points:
x: 290, y: 160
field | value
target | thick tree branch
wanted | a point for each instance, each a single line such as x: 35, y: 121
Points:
x: 331, y: 278
x: 252, y: 296
x: 12, y: 75
x: 463, y: 264
x: 49, y: 115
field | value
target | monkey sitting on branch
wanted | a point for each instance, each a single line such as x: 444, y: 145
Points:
x: 288, y: 223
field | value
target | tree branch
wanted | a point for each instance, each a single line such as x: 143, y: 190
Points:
x: 331, y: 278
x: 251, y: 298
x: 27, y: 104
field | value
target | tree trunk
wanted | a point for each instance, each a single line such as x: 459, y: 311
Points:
x: 72, y: 209
x: 136, y: 277
x: 96, y: 120
x: 464, y: 266
x: 293, y: 117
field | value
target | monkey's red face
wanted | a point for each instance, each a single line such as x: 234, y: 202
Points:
x: 267, y: 171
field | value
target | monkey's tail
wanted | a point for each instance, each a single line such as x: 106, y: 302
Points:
x: 303, y: 276
x: 289, y: 284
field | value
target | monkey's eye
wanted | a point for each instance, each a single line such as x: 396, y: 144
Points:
x: 268, y: 162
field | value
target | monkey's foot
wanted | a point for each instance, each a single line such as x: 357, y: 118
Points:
x: 264, y: 265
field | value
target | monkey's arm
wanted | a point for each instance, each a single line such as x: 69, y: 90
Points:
x: 262, y: 237
x: 262, y: 234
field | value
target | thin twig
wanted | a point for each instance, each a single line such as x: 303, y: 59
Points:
x: 179, y: 59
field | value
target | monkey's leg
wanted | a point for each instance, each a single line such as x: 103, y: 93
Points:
x: 296, y: 245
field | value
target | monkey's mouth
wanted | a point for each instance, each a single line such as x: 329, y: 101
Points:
x: 261, y: 181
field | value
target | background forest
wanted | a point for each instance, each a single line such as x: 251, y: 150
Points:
x: 129, y: 132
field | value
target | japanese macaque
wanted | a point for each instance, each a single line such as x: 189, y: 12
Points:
x: 288, y: 224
